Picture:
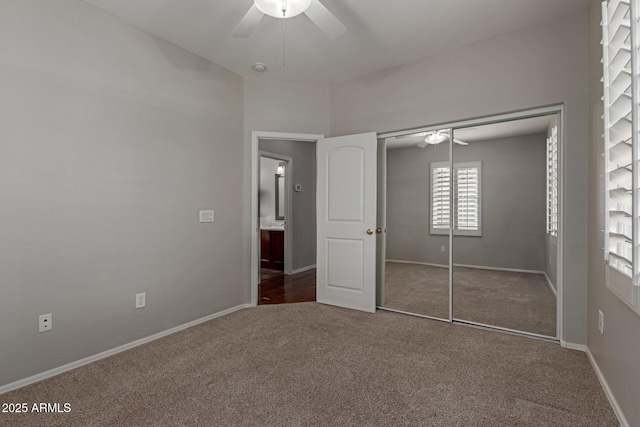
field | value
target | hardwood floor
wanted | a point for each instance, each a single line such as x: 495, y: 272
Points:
x: 279, y: 288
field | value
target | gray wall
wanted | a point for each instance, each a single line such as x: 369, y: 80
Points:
x: 539, y: 65
x: 267, y: 197
x: 513, y: 204
x: 617, y: 352
x: 112, y: 140
x: 408, y: 192
x: 304, y: 202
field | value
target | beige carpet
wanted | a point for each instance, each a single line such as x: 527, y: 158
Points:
x: 520, y: 301
x: 416, y: 288
x: 315, y: 365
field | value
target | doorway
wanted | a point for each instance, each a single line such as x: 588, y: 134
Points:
x: 283, y: 218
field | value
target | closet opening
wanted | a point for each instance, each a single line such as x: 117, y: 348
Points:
x: 472, y: 219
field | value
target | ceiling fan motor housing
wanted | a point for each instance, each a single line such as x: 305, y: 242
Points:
x: 282, y: 8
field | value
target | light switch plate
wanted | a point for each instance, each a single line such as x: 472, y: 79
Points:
x: 601, y: 321
x: 141, y: 300
x: 207, y: 216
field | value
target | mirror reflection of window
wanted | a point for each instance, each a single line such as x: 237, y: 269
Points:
x: 467, y: 204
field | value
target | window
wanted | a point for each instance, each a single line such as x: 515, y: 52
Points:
x: 552, y: 182
x: 440, y: 192
x: 620, y: 66
x: 466, y: 197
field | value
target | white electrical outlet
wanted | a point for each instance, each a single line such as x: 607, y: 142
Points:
x: 141, y: 299
x: 601, y: 321
x: 443, y: 248
x: 45, y: 322
x: 207, y: 215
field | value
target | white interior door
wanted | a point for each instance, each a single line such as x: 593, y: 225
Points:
x: 346, y: 215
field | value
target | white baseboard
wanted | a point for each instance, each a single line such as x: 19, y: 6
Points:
x: 607, y: 391
x: 69, y: 366
x: 429, y: 264
x: 300, y: 270
x: 551, y: 285
x: 573, y: 346
x: 513, y: 270
x: 479, y: 267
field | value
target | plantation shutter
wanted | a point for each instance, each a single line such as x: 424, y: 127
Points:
x: 440, y: 196
x: 552, y: 182
x: 467, y: 197
x: 620, y: 136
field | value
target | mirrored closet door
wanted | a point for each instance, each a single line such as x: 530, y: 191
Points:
x: 471, y: 216
x: 505, y: 224
x: 417, y: 274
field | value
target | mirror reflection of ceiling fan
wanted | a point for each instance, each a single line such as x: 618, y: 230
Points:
x: 315, y: 11
x: 433, y: 137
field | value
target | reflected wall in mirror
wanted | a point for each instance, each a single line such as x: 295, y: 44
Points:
x: 505, y: 224
x: 417, y: 222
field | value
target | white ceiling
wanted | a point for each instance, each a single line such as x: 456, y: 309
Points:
x: 505, y: 129
x: 380, y: 33
x: 491, y: 131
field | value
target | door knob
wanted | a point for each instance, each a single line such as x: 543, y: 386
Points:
x: 378, y: 230
x: 369, y: 232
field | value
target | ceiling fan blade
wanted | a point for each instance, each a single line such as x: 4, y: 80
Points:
x: 457, y: 141
x: 248, y: 22
x: 422, y: 144
x: 325, y: 20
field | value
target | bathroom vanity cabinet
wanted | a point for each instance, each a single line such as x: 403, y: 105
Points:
x: 272, y: 249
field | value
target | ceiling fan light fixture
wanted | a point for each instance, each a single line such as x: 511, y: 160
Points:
x: 436, y: 137
x: 282, y: 8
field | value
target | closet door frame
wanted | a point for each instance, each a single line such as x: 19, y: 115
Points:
x: 522, y: 114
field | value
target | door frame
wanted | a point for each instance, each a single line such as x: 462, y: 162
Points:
x: 562, y: 133
x: 256, y: 136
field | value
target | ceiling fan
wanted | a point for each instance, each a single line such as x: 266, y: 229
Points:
x: 316, y: 11
x: 433, y: 137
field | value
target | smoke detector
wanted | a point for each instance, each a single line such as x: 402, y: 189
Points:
x: 259, y: 67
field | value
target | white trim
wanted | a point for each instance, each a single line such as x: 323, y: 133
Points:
x: 550, y: 284
x: 451, y: 165
x: 607, y: 390
x: 535, y: 112
x: 90, y: 359
x: 513, y: 270
x: 479, y: 267
x: 439, y: 319
x: 504, y: 330
x: 288, y: 207
x: 418, y: 263
x: 573, y: 346
x: 256, y: 136
x: 303, y: 269
x: 562, y: 134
